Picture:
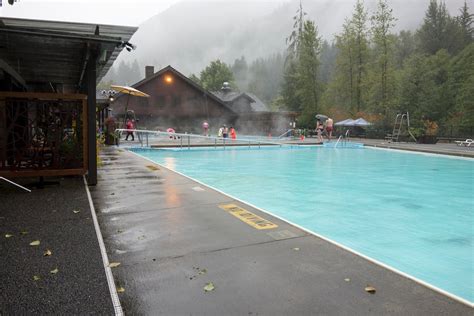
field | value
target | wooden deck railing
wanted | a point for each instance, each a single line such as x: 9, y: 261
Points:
x: 42, y: 134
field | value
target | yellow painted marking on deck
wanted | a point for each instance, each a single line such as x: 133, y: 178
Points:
x: 248, y: 217
x: 153, y: 168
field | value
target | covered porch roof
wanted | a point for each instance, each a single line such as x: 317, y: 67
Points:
x: 49, y: 52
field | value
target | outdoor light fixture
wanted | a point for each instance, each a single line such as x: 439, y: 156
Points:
x: 110, y: 94
x: 168, y: 79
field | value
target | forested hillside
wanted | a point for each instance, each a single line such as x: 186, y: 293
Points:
x: 344, y: 58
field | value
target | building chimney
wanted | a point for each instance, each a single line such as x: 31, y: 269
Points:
x: 149, y: 71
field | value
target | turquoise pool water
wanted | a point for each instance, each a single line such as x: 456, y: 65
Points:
x: 413, y: 212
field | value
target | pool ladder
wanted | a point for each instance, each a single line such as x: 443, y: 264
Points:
x: 344, y: 139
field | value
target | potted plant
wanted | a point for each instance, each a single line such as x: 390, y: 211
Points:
x: 430, y: 132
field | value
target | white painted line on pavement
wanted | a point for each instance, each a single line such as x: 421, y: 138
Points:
x: 105, y: 259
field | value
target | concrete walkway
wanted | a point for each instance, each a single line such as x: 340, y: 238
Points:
x: 59, y: 217
x: 451, y: 149
x: 173, y: 237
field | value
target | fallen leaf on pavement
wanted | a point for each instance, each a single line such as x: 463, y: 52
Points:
x: 114, y: 264
x: 203, y: 271
x: 209, y: 287
x: 347, y: 279
x: 35, y: 243
x: 24, y: 232
x: 370, y: 289
x: 75, y: 211
x: 36, y: 277
x: 54, y: 271
x: 47, y: 253
x: 120, y: 289
x: 8, y: 235
x: 296, y: 249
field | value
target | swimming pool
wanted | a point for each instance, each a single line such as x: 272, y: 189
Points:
x: 413, y: 212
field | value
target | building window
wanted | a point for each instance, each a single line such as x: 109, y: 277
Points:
x: 176, y: 100
x: 160, y: 100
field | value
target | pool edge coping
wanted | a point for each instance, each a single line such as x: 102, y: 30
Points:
x: 374, y: 261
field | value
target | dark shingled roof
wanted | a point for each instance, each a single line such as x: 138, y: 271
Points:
x: 229, y: 97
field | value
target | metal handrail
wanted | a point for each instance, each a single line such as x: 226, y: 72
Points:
x: 188, y: 136
x: 282, y: 135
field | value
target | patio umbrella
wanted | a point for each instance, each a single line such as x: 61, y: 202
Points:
x: 129, y: 91
x: 348, y: 122
x: 321, y: 117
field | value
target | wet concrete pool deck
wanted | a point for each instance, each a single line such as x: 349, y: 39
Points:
x: 172, y: 238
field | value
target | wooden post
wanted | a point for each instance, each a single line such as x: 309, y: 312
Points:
x: 90, y: 89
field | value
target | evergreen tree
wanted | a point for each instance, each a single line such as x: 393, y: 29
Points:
x: 214, y: 75
x: 466, y: 28
x: 307, y: 72
x: 290, y: 86
x: 359, y: 25
x: 343, y: 84
x: 240, y: 70
x: 135, y: 74
x: 461, y: 84
x: 328, y: 61
x: 195, y: 79
x: 265, y: 77
x: 439, y: 30
x: 290, y: 75
x: 123, y: 72
x: 383, y: 74
x: 293, y: 41
x: 404, y: 47
x: 425, y: 90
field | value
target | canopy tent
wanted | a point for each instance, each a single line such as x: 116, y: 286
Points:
x: 350, y: 122
x: 347, y: 122
x: 361, y: 122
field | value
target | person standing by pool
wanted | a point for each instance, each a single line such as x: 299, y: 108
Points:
x: 329, y: 127
x: 220, y: 133
x: 232, y: 133
x: 225, y: 132
x: 205, y: 128
x: 130, y: 128
x: 319, y: 130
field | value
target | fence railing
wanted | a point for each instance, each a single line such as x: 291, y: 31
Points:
x: 149, y: 138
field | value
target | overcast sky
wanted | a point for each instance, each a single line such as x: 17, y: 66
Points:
x: 120, y: 12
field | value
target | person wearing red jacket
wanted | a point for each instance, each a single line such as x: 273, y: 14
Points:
x: 130, y: 127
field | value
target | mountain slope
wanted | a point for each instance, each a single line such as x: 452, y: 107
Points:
x: 189, y: 35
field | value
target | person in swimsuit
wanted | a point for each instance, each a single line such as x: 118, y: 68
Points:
x: 329, y: 127
x: 319, y: 130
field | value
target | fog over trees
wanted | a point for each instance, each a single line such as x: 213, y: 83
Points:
x: 360, y: 58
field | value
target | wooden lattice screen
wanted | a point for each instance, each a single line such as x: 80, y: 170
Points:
x: 42, y: 134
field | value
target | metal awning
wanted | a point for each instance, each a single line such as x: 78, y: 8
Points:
x: 36, y: 51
